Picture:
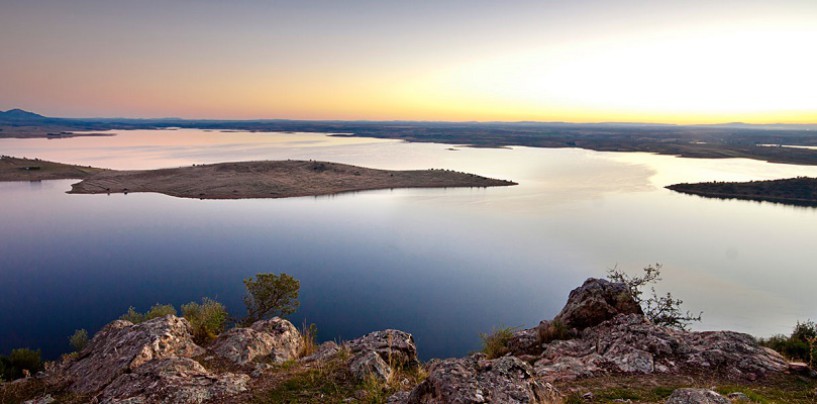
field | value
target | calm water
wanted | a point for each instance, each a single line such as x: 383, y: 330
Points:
x: 444, y: 265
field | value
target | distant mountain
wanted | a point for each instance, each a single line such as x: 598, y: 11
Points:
x: 19, y: 115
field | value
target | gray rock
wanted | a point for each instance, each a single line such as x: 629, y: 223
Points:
x: 632, y: 344
x: 525, y: 342
x: 122, y: 347
x: 596, y: 301
x: 394, y: 346
x: 476, y: 379
x: 325, y: 352
x: 172, y: 380
x: 696, y: 396
x: 370, y: 364
x: 275, y: 339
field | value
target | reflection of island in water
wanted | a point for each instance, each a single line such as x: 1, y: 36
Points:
x: 800, y: 191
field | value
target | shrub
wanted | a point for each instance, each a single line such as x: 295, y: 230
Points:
x: 158, y: 310
x: 800, y: 345
x: 661, y: 310
x: 20, y: 360
x: 79, y: 340
x: 495, y: 344
x: 207, y: 319
x: 269, y: 295
x: 556, y: 330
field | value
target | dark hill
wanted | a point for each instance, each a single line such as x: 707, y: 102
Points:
x: 19, y: 115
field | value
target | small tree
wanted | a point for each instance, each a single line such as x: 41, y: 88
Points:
x: 661, y: 310
x: 79, y: 340
x: 269, y: 295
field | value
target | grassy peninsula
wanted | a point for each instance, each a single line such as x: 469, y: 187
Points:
x: 22, y: 169
x: 252, y: 179
x: 801, y: 191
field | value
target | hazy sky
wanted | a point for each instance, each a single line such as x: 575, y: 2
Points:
x: 571, y: 60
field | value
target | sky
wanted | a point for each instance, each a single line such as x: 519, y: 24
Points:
x: 674, y: 61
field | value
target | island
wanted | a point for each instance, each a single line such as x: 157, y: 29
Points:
x: 23, y: 169
x: 800, y: 191
x: 249, y: 179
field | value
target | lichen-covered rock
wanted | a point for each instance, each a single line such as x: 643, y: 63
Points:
x: 325, y: 351
x: 172, y: 380
x: 632, y: 344
x: 122, y: 347
x: 394, y: 346
x: 596, y: 301
x: 696, y: 396
x: 370, y: 364
x: 525, y: 342
x: 275, y: 339
x: 476, y: 379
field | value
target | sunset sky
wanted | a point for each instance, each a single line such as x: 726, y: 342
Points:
x: 624, y: 60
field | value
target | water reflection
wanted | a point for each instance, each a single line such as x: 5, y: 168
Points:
x: 442, y: 264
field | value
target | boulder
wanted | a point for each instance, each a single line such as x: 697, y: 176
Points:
x: 525, y: 342
x: 275, y: 339
x: 476, y: 379
x: 326, y: 351
x: 632, y: 344
x: 696, y: 396
x: 173, y: 380
x: 596, y: 301
x: 370, y: 364
x: 395, y: 347
x: 122, y: 347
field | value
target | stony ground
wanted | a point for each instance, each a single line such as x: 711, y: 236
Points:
x: 599, y: 349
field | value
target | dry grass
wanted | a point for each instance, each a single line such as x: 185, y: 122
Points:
x: 656, y: 388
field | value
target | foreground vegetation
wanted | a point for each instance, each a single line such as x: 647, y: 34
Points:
x: 656, y: 388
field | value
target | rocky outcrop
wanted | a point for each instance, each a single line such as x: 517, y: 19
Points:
x: 122, y: 347
x: 596, y: 301
x: 144, y: 363
x: 395, y: 347
x: 368, y: 364
x: 325, y: 352
x: 600, y: 331
x: 173, y: 380
x: 632, y: 344
x: 275, y: 340
x: 476, y: 379
x: 696, y: 396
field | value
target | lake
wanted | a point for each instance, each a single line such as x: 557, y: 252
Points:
x: 443, y: 264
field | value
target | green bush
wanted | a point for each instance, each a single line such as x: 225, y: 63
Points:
x: 79, y: 340
x: 800, y: 345
x: 12, y: 366
x: 158, y: 310
x: 269, y: 295
x: 207, y: 319
x: 495, y: 344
